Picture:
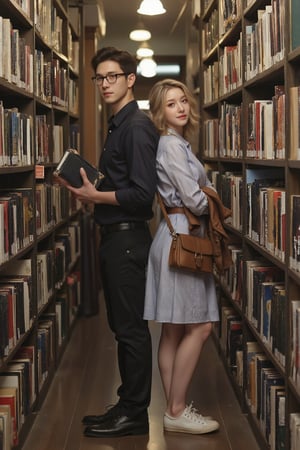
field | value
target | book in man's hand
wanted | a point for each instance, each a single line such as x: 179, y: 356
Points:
x: 69, y: 166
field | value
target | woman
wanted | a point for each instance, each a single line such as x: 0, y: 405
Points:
x: 185, y: 304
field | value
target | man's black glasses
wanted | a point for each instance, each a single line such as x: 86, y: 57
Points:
x: 111, y: 78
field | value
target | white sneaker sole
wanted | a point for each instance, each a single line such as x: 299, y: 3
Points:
x: 182, y: 429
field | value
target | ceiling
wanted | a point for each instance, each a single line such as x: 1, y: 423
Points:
x: 168, y: 30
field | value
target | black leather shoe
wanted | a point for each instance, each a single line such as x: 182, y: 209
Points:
x: 97, y: 420
x: 120, y: 426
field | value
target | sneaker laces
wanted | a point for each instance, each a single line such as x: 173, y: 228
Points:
x: 191, y: 413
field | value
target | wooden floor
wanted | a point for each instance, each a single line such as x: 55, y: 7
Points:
x: 86, y: 382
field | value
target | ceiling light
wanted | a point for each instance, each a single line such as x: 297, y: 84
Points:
x: 151, y: 8
x: 165, y: 69
x: 147, y: 67
x: 140, y: 33
x: 144, y: 51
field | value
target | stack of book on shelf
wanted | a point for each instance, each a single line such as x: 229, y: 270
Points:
x: 17, y: 394
x: 266, y: 214
x: 295, y: 340
x: 231, y: 336
x: 266, y: 304
x: 295, y: 430
x: 266, y: 395
x: 295, y: 233
x: 266, y: 127
x: 15, y: 304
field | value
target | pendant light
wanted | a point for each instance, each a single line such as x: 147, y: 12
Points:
x: 140, y: 33
x: 144, y: 51
x: 147, y: 67
x: 151, y: 8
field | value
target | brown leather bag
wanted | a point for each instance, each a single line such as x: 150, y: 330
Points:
x: 191, y: 253
x: 188, y: 252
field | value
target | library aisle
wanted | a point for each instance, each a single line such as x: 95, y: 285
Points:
x: 86, y: 382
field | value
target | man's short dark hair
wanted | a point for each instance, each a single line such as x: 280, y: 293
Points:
x: 126, y: 61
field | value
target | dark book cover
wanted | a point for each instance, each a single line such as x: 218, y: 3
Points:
x: 280, y: 425
x: 69, y: 169
x: 295, y: 18
x: 261, y: 362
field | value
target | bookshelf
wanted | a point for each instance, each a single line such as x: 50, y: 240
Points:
x: 40, y: 222
x: 249, y: 140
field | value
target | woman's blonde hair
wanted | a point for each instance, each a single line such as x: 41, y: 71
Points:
x: 157, y: 98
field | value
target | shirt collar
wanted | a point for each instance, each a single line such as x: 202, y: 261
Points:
x: 115, y: 121
x: 171, y: 131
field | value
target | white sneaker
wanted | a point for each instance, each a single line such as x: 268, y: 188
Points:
x: 190, y: 422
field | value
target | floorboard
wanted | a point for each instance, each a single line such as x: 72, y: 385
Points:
x: 86, y: 383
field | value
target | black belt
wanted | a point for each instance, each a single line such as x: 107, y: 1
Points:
x: 123, y: 226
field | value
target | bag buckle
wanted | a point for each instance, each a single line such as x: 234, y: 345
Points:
x: 199, y: 259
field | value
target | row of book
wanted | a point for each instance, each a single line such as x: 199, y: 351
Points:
x: 231, y: 335
x: 225, y: 75
x: 59, y: 83
x: 295, y: 233
x: 16, y: 57
x: 266, y: 304
x: 16, y: 310
x: 73, y: 96
x: 58, y: 140
x: 43, y: 76
x: 56, y: 31
x: 66, y: 251
x: 53, y: 204
x: 211, y: 82
x: 265, y: 391
x: 295, y: 17
x: 17, y: 379
x: 266, y: 127
x: 16, y: 137
x: 42, y: 139
x: 67, y: 303
x: 24, y: 5
x: 266, y: 212
x: 229, y: 186
x: 19, y: 385
x: 265, y: 39
x: 295, y: 430
x: 230, y: 11
x: 295, y: 340
x: 42, y: 12
x: 219, y: 23
x: 210, y: 33
x: 53, y: 83
x: 16, y: 221
x: 16, y: 301
x: 266, y: 395
x: 230, y: 68
x: 294, y: 122
x: 17, y: 394
x: 230, y: 127
x: 73, y: 50
x: 232, y: 279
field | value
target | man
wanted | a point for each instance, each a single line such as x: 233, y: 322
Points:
x: 123, y: 205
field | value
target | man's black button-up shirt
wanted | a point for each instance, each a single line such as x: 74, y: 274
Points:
x: 128, y: 163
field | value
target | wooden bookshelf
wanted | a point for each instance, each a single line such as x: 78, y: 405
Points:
x: 40, y: 65
x: 249, y: 141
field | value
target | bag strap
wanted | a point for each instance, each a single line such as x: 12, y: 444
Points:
x: 163, y: 208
